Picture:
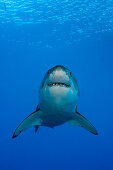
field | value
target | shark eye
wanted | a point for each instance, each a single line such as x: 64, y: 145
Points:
x: 70, y: 74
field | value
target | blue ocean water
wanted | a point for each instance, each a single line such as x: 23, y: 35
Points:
x: 36, y: 35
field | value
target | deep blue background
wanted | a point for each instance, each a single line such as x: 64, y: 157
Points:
x: 65, y: 147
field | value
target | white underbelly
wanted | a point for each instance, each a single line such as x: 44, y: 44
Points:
x: 57, y: 105
x: 58, y: 99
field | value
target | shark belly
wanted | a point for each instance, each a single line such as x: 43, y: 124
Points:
x: 54, y: 118
x: 57, y: 106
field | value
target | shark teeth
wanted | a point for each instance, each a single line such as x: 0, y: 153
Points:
x: 59, y: 84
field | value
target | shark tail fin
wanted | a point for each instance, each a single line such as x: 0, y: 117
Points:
x: 32, y: 120
x: 81, y: 121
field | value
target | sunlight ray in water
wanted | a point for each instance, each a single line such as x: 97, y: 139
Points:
x: 80, y: 18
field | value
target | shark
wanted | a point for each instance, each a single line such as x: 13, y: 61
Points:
x: 58, y: 98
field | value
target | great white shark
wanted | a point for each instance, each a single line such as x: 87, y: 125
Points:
x: 58, y: 97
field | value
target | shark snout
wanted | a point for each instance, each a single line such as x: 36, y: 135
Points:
x: 59, y: 75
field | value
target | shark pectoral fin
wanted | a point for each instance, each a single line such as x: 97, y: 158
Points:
x: 32, y: 120
x: 81, y: 121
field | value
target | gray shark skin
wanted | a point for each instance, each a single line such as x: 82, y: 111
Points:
x: 58, y: 97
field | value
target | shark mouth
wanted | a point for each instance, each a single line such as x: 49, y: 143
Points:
x: 59, y: 84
